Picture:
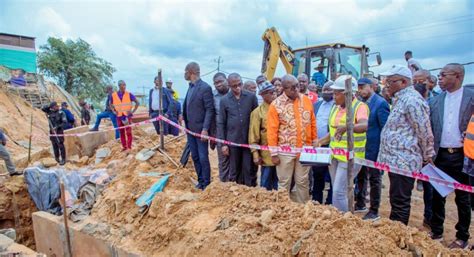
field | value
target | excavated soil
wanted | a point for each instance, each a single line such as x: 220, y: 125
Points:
x: 229, y: 219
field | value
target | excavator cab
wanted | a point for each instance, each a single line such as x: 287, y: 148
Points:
x: 330, y: 61
x: 320, y: 63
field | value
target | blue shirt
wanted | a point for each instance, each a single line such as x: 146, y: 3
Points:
x: 319, y: 78
x: 322, y: 118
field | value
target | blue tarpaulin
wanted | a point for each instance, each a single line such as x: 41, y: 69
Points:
x: 147, y: 197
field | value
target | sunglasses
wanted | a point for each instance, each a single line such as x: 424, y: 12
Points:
x: 444, y: 74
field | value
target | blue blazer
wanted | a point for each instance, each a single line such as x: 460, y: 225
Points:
x: 201, y: 105
x: 379, y: 111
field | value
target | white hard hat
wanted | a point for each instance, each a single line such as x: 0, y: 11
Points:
x: 340, y: 83
x: 169, y: 80
x: 398, y: 70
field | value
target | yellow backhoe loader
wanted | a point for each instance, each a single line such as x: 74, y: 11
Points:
x: 328, y: 61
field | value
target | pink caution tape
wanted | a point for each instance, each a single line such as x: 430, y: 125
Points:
x: 296, y: 150
x: 364, y: 162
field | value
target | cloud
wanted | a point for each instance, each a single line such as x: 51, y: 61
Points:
x: 53, y: 23
x: 140, y: 37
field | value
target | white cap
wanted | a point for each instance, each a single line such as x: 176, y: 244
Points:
x: 340, y: 83
x: 169, y: 80
x: 398, y: 70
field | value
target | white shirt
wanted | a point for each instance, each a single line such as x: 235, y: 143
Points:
x: 412, y: 62
x: 451, y: 136
x: 155, y: 99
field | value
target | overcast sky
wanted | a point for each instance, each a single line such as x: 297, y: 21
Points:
x: 138, y: 37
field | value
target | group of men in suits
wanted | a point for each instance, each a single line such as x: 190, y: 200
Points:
x: 410, y: 135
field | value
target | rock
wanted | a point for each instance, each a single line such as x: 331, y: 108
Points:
x: 37, y: 164
x: 83, y: 160
x: 74, y: 158
x: 186, y: 197
x: 49, y: 162
x: 266, y: 216
x: 113, y: 164
x: 5, y: 242
x: 326, y: 214
x: 223, y: 224
x: 144, y: 154
x: 347, y: 215
x: 129, y: 228
x: 9, y: 232
x: 102, y: 152
x: 233, y: 188
x: 296, y: 248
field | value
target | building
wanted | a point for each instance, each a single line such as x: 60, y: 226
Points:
x: 18, y: 52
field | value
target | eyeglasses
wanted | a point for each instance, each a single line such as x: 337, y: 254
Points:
x: 444, y: 74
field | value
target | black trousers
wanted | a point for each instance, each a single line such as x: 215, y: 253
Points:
x: 452, y: 164
x: 241, y: 167
x: 373, y: 177
x: 400, y: 196
x: 58, y: 146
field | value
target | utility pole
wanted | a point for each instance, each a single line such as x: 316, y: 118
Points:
x: 219, y: 61
x: 162, y: 128
x: 350, y: 144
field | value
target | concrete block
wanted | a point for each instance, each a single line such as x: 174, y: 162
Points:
x: 85, y: 145
x: 5, y: 242
x: 50, y: 238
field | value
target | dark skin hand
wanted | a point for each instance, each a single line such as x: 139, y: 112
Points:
x: 275, y: 160
x: 225, y: 150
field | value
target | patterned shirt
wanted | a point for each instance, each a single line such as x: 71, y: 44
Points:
x: 407, y: 139
x: 291, y: 122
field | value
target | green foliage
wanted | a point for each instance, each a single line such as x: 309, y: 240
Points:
x: 76, y: 68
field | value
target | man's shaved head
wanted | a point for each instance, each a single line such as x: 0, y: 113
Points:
x: 193, y: 67
x: 290, y: 86
x: 451, y: 77
x: 456, y: 67
x: 234, y: 76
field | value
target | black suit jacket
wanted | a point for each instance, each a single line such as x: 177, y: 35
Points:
x: 201, y: 108
x: 437, y: 113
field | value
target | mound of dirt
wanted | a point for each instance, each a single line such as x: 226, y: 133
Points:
x: 230, y: 219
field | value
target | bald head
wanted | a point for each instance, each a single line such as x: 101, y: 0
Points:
x: 250, y: 86
x: 192, y: 71
x: 456, y: 67
x: 421, y: 77
x: 451, y: 77
x: 290, y: 86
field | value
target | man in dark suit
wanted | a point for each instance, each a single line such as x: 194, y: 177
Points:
x: 198, y: 114
x: 233, y: 125
x: 379, y: 111
x: 450, y: 113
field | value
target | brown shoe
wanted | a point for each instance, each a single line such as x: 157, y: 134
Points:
x: 458, y: 244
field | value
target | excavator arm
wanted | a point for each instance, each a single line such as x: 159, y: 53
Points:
x: 273, y: 50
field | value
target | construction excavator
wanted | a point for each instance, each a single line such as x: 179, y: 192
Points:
x: 332, y: 60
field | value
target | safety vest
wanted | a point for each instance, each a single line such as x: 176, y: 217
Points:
x: 469, y: 140
x: 122, y: 106
x: 359, y: 138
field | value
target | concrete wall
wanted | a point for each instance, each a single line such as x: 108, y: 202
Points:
x: 85, y: 145
x: 50, y: 237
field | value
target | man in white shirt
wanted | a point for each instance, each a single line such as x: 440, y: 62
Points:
x: 413, y: 65
x: 450, y: 114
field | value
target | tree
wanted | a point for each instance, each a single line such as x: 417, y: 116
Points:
x: 76, y: 68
